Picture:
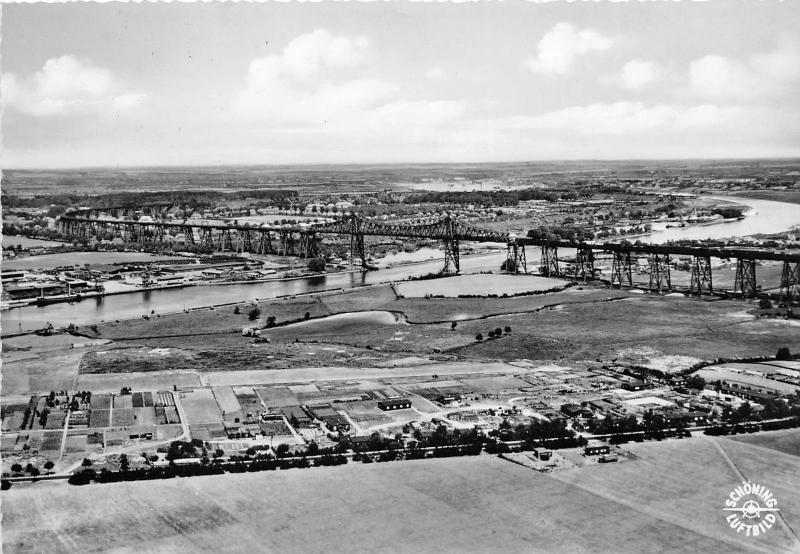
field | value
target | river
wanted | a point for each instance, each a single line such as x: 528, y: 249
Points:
x: 766, y: 216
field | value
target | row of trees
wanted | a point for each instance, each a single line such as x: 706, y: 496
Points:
x: 496, y: 333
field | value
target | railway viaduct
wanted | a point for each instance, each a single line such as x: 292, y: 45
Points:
x: 303, y: 240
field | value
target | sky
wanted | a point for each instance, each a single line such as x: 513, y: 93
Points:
x: 86, y: 84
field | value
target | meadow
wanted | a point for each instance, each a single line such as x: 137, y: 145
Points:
x: 460, y: 505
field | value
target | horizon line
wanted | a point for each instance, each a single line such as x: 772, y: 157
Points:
x: 390, y: 164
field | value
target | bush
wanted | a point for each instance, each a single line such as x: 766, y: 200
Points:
x: 317, y: 264
x: 765, y: 304
x: 236, y: 310
x: 254, y: 314
x: 479, y: 337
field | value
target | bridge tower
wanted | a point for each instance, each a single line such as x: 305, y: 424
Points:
x: 308, y: 245
x: 621, y: 269
x: 790, y: 283
x: 207, y: 237
x: 287, y: 244
x: 701, y: 276
x: 745, y: 283
x: 584, y: 264
x: 188, y: 234
x: 659, y: 272
x: 448, y: 230
x: 451, y: 255
x: 226, y: 240
x: 247, y: 240
x: 549, y: 262
x: 515, y: 259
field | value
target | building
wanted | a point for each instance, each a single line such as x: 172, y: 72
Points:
x: 296, y: 416
x: 632, y: 384
x: 758, y: 389
x: 571, y: 410
x: 332, y: 419
x: 595, y: 449
x: 394, y: 404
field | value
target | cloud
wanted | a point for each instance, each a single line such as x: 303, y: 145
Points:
x: 435, y: 74
x: 319, y: 50
x: 310, y: 82
x: 638, y: 74
x: 335, y: 94
x: 562, y: 45
x: 760, y: 77
x: 66, y: 86
x: 620, y: 118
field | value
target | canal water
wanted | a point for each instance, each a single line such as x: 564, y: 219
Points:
x: 766, y: 216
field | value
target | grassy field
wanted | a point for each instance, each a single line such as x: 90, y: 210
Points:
x: 666, y: 325
x: 686, y: 482
x: 482, y: 285
x: 49, y: 261
x: 111, y: 382
x: 786, y: 441
x: 220, y: 320
x: 451, y: 505
x: 200, y: 406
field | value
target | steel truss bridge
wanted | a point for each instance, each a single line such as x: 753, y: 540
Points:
x: 304, y: 241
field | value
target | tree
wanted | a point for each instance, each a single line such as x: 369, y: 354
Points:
x: 49, y: 465
x: 282, y: 450
x: 453, y: 326
x: 16, y: 468
x: 307, y: 315
x: 765, y: 303
x: 271, y: 321
x: 479, y: 337
x: 313, y: 449
x: 507, y: 329
x: 86, y: 462
x: 695, y: 382
x: 317, y: 264
x: 498, y: 332
x: 236, y: 310
x: 783, y: 353
x: 254, y: 314
x: 123, y: 462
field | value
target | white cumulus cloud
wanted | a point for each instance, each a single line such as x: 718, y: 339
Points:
x: 322, y: 82
x: 620, y: 118
x: 562, y: 45
x: 638, y: 74
x: 65, y: 86
x: 760, y: 77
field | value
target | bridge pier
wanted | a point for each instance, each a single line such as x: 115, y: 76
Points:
x: 188, y: 235
x: 790, y: 283
x: 247, y: 240
x: 308, y: 245
x: 584, y: 264
x: 745, y: 283
x: 207, y: 237
x: 357, y: 250
x: 659, y: 272
x: 452, y: 255
x: 549, y: 264
x: 287, y: 244
x: 621, y: 269
x: 226, y: 240
x: 701, y: 276
x: 515, y: 258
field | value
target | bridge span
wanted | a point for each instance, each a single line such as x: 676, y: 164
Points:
x: 304, y: 240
